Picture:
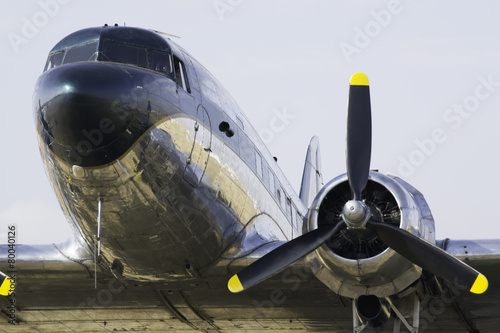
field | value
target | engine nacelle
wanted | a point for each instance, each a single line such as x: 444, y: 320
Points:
x: 355, y: 263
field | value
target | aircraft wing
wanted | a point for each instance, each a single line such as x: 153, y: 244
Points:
x: 56, y: 291
x: 476, y: 312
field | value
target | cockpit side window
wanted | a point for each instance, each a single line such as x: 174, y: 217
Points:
x: 123, y: 53
x: 161, y: 62
x: 180, y: 75
x: 81, y: 53
x: 55, y: 59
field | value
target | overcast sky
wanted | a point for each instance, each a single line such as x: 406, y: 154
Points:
x: 433, y: 66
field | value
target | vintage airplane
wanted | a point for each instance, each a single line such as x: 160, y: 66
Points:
x: 170, y: 192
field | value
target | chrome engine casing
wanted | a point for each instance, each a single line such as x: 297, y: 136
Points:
x: 358, y: 265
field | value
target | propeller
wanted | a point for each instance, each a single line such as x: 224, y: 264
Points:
x: 356, y: 215
x: 430, y: 257
x: 275, y: 261
x: 359, y: 134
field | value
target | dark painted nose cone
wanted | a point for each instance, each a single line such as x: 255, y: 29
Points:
x: 86, y: 115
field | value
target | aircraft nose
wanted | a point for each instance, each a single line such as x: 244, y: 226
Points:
x: 85, y: 113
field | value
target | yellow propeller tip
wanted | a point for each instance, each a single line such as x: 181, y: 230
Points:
x: 234, y: 284
x: 480, y: 285
x: 359, y: 79
x: 5, y: 286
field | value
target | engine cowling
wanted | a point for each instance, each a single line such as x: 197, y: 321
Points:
x: 356, y: 262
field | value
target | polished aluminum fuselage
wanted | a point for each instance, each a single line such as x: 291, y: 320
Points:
x: 184, y: 195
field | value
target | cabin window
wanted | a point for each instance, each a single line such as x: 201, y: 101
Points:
x: 55, y: 59
x: 282, y: 200
x: 258, y: 164
x: 281, y: 197
x: 294, y: 222
x: 271, y: 181
x: 240, y: 123
x: 289, y: 208
x: 180, y: 75
x: 299, y: 221
x: 123, y: 53
x: 81, y: 53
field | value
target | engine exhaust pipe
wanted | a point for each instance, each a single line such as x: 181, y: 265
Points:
x: 372, y: 311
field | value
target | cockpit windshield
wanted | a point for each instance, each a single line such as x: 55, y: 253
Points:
x: 160, y: 61
x: 86, y: 52
x: 55, y: 59
x: 113, y: 51
x: 123, y: 53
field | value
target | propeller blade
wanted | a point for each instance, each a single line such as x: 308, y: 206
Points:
x: 280, y: 258
x: 6, y: 285
x: 359, y: 134
x: 430, y: 257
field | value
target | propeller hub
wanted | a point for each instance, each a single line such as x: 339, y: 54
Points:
x: 355, y: 214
